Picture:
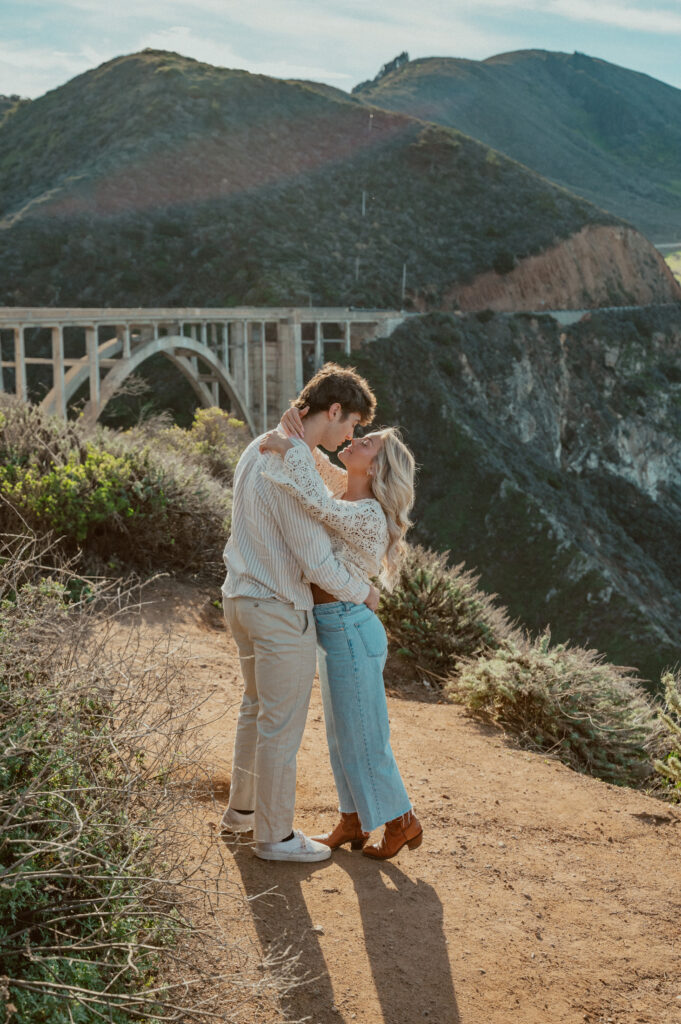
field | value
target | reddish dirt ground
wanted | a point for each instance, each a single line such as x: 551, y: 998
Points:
x: 539, y: 896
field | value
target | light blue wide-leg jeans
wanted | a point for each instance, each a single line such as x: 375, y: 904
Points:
x: 351, y: 653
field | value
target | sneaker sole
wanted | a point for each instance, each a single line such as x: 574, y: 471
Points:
x: 296, y: 857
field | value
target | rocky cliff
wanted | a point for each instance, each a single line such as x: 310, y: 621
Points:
x: 597, y: 266
x: 551, y: 461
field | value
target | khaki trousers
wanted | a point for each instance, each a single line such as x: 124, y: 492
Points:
x: 277, y: 648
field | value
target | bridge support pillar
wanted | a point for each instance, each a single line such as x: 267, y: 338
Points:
x: 20, y: 389
x: 224, y: 353
x: 318, y: 346
x: 237, y: 344
x: 248, y: 397
x: 263, y: 374
x: 289, y: 360
x: 194, y: 333
x: 58, y: 372
x: 92, y: 347
x: 348, y: 341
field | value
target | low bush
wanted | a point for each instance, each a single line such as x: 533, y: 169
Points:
x: 118, y: 501
x: 214, y: 442
x: 668, y: 765
x: 436, y: 615
x: 565, y: 700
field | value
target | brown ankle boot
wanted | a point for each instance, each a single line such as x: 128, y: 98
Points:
x: 398, y: 832
x: 348, y: 830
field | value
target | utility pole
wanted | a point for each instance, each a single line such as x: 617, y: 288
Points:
x: 404, y: 281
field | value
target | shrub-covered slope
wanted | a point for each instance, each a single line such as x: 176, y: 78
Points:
x: 550, y: 462
x: 609, y: 134
x: 157, y: 180
x: 152, y: 498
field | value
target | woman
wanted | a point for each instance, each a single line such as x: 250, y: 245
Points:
x: 367, y: 528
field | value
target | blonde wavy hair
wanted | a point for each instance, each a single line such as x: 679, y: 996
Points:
x: 393, y: 470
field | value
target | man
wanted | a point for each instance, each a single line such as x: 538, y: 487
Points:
x: 275, y: 551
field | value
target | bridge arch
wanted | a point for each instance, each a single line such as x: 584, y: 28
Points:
x: 182, y: 351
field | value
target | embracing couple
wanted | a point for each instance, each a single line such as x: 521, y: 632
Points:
x: 307, y: 539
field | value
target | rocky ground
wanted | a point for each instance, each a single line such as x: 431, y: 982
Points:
x: 538, y: 895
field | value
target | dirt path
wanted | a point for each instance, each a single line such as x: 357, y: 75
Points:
x: 539, y: 896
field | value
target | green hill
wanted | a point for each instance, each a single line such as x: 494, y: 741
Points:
x: 157, y: 180
x: 607, y: 133
x: 549, y: 460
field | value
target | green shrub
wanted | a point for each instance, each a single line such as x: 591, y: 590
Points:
x: 435, y: 614
x: 504, y: 262
x: 75, y: 497
x: 567, y: 701
x: 669, y: 766
x: 121, y: 500
x: 214, y: 441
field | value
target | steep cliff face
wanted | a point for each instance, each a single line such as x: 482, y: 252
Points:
x: 551, y: 460
x: 598, y: 266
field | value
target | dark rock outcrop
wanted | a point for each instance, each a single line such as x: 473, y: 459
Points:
x: 551, y: 461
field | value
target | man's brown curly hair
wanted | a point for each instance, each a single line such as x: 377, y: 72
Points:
x: 342, y: 384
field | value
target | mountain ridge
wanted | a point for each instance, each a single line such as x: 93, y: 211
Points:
x: 218, y: 187
x: 603, y: 131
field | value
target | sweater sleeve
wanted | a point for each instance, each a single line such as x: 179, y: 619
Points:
x: 362, y: 523
x: 335, y: 478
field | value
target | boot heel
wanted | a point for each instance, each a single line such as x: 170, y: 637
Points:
x: 415, y: 842
x: 358, y: 844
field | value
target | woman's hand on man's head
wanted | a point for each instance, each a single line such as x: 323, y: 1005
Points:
x: 292, y: 421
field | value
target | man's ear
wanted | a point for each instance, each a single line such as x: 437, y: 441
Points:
x: 335, y: 411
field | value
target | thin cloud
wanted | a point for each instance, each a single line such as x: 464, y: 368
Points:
x: 181, y: 39
x: 632, y: 17
x: 324, y: 40
x: 31, y: 71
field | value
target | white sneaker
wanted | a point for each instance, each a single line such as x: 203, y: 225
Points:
x: 300, y: 848
x: 235, y: 821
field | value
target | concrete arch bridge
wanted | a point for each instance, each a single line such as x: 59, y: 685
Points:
x: 250, y: 361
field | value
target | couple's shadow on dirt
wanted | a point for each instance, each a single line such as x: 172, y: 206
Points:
x: 400, y: 924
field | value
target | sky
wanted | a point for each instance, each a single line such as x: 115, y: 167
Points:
x: 44, y: 43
